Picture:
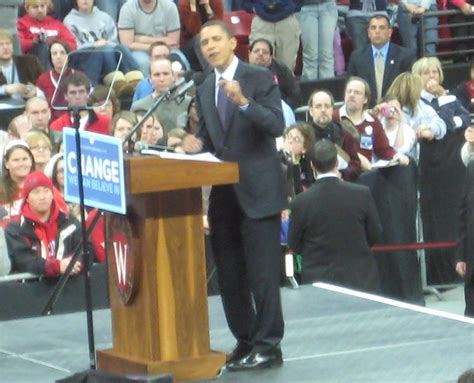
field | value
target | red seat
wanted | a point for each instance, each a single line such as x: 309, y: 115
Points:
x: 240, y: 23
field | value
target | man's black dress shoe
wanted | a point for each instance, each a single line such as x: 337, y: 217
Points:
x: 240, y: 351
x: 257, y: 359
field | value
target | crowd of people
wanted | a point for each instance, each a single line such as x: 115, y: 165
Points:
x: 398, y: 133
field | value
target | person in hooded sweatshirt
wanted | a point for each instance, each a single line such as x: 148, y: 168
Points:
x: 41, y: 241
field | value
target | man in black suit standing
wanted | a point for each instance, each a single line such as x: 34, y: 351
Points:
x: 240, y: 116
x: 381, y: 61
x: 333, y: 225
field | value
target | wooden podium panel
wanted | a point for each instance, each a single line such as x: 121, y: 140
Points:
x: 164, y: 328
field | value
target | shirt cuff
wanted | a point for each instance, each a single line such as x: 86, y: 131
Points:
x: 457, y: 121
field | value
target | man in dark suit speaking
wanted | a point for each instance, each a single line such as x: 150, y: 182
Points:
x: 381, y: 61
x: 240, y: 116
x: 333, y: 225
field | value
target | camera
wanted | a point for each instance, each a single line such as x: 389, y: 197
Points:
x: 387, y: 111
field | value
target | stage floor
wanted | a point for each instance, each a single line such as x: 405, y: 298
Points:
x: 330, y: 336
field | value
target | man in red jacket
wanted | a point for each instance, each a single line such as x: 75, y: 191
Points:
x: 77, y: 88
x: 43, y: 239
x: 36, y: 31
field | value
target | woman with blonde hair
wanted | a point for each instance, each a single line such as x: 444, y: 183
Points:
x: 421, y: 117
x: 448, y: 107
x: 41, y: 147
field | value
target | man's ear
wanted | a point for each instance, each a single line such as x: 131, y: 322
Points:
x: 233, y: 42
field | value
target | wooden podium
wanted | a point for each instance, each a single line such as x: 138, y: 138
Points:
x: 157, y: 282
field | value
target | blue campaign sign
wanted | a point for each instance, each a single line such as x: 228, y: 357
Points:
x: 102, y: 170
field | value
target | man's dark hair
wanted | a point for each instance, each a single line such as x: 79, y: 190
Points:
x: 323, y: 155
x: 77, y: 79
x: 380, y: 16
x: 158, y: 44
x: 221, y: 24
x: 262, y: 40
x: 467, y: 376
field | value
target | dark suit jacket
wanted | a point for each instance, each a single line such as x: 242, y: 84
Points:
x: 249, y: 139
x: 361, y: 64
x: 466, y: 242
x: 29, y: 69
x: 332, y: 226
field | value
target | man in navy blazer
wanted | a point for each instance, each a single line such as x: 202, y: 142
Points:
x: 240, y: 116
x: 397, y: 59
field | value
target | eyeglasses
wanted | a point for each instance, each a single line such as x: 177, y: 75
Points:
x: 294, y: 139
x: 40, y: 148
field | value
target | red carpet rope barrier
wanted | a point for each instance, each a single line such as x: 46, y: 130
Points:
x: 415, y: 246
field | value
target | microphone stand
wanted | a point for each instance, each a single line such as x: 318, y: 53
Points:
x: 75, y: 110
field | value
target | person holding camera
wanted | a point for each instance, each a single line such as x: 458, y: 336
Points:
x: 400, y: 136
x: 37, y: 31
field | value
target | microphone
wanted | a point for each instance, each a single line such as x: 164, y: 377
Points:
x: 197, y: 79
x: 179, y: 82
x: 139, y: 146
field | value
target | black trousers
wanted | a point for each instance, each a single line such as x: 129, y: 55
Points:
x: 469, y: 297
x: 247, y: 256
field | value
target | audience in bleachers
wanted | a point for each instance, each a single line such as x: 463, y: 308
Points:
x: 38, y: 112
x: 141, y: 23
x: 37, y: 31
x: 122, y: 124
x: 318, y: 21
x: 103, y: 102
x: 9, y: 18
x: 276, y: 22
x: 465, y: 90
x: 42, y: 240
x: 261, y: 53
x: 96, y: 29
x: 408, y: 18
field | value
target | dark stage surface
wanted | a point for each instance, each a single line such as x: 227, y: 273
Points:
x: 330, y: 336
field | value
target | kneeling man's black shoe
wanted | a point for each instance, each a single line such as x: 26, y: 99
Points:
x: 258, y: 359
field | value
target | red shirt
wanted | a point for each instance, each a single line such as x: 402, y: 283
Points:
x: 29, y: 28
x: 96, y: 123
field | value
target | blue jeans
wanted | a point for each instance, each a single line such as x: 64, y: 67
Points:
x: 408, y: 29
x: 357, y: 27
x: 111, y: 58
x: 318, y: 24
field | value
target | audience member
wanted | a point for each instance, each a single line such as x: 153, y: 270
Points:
x: 143, y: 22
x: 465, y: 91
x: 175, y: 138
x: 18, y: 72
x: 318, y: 21
x: 321, y: 219
x: 151, y: 132
x: 37, y: 31
x: 193, y: 14
x: 400, y: 136
x: 448, y: 107
x: 96, y: 29
x: 76, y: 90
x: 104, y: 103
x: 54, y: 169
x: 170, y: 110
x: 358, y: 17
x: 321, y: 108
x: 408, y: 19
x: 50, y: 82
x: 43, y: 239
x: 192, y: 118
x: 122, y: 124
x: 465, y: 251
x: 463, y: 28
x: 381, y: 61
x: 261, y: 53
x: 38, y: 112
x: 18, y: 162
x: 276, y: 22
x: 467, y: 150
x: 467, y: 376
x: 373, y: 144
x: 421, y: 117
x: 19, y: 127
x: 40, y: 147
x: 298, y: 140
x: 9, y: 18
